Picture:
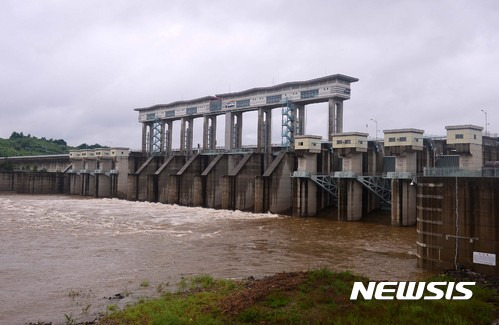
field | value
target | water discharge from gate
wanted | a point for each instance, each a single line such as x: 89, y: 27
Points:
x: 65, y: 255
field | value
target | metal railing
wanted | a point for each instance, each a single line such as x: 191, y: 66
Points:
x: 344, y: 174
x: 457, y: 172
x: 400, y: 175
x: 492, y: 135
x: 301, y: 174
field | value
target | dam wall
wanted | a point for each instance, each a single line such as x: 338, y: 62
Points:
x: 458, y: 223
x: 34, y: 182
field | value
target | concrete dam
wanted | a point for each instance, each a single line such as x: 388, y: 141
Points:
x: 448, y: 187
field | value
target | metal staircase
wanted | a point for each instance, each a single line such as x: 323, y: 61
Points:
x: 288, y: 118
x: 328, y: 183
x: 156, y: 137
x: 378, y: 185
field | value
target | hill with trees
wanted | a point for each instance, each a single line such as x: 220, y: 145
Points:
x: 19, y: 144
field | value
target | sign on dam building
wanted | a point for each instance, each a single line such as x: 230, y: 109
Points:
x: 291, y: 97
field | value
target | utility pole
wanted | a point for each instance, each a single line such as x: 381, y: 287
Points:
x: 484, y: 112
x: 376, y: 122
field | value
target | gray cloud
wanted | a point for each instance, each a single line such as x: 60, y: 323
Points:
x: 76, y: 70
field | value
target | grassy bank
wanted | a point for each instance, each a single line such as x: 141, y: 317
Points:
x: 313, y: 297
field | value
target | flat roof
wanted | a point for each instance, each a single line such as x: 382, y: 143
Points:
x: 308, y: 136
x: 249, y: 91
x: 288, y: 84
x: 350, y: 134
x: 408, y: 130
x: 97, y: 149
x: 178, y: 102
x: 464, y: 126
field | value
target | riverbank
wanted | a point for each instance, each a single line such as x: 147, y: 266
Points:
x: 318, y: 296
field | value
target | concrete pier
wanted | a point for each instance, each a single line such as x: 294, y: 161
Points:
x: 188, y: 189
x: 273, y: 191
x: 349, y: 200
x: 350, y: 191
x: 88, y: 184
x: 233, y: 130
x: 166, y: 137
x: 210, y: 132
x: 335, y: 116
x: 212, y: 178
x: 75, y: 184
x: 304, y: 198
x: 170, y: 167
x: 141, y: 183
x: 102, y: 185
x: 300, y: 120
x: 352, y: 146
x: 407, y: 147
x: 403, y: 202
x: 186, y: 136
x: 305, y: 192
x: 264, y: 131
x: 238, y: 187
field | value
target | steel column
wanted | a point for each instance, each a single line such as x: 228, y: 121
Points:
x: 144, y: 137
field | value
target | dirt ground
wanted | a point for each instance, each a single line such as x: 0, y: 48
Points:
x: 256, y: 289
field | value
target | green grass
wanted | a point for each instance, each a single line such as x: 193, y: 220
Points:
x: 322, y: 298
x: 195, y: 303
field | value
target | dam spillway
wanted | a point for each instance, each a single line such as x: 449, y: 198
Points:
x: 301, y: 176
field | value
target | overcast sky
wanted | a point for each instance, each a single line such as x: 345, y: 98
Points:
x: 76, y: 69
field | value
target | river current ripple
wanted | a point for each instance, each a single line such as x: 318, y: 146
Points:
x: 66, y: 256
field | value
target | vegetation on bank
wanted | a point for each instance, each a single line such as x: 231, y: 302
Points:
x: 314, y: 297
x: 19, y: 144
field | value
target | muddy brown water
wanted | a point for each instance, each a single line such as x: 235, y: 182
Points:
x: 64, y: 257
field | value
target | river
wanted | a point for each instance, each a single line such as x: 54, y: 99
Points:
x: 64, y: 257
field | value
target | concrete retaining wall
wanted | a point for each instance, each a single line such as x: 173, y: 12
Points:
x: 465, y: 207
x: 7, y: 181
x: 48, y: 163
x: 33, y: 182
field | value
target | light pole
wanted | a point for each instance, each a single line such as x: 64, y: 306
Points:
x: 376, y: 122
x: 484, y: 112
